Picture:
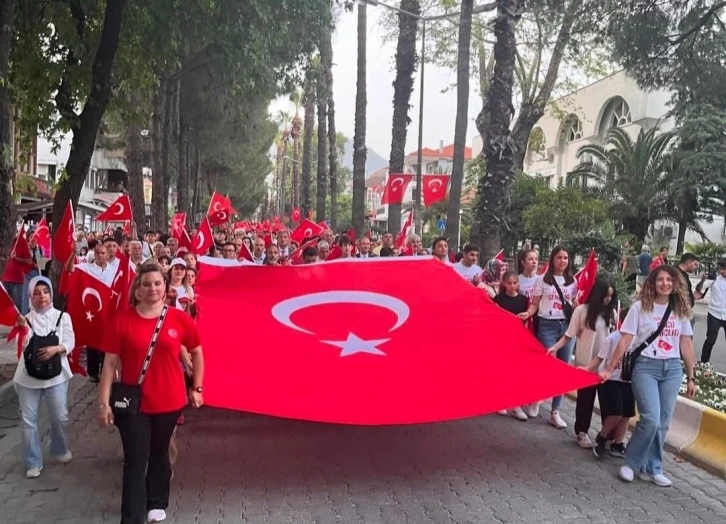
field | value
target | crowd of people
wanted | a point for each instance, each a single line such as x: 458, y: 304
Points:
x: 160, y: 324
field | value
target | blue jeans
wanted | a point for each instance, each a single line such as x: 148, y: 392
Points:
x: 15, y: 290
x: 548, y: 333
x: 57, y: 401
x: 655, y: 387
x: 26, y: 286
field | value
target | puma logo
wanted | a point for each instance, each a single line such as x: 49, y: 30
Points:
x: 122, y: 404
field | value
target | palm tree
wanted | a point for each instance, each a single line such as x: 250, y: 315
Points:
x: 402, y: 86
x: 462, y: 118
x: 633, y: 176
x: 359, y: 137
x: 295, y: 134
x: 322, y: 180
x: 308, y: 101
x: 326, y: 53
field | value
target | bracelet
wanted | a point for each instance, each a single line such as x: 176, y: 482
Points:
x: 691, y: 379
x: 105, y: 405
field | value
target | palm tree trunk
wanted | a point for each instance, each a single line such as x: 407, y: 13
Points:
x: 322, y: 185
x: 307, y: 159
x: 133, y: 157
x: 332, y: 135
x: 158, y: 120
x: 283, y: 180
x: 406, y: 62
x: 182, y: 182
x: 493, y: 124
x: 462, y: 120
x: 7, y: 207
x: 359, y: 137
x: 296, y: 164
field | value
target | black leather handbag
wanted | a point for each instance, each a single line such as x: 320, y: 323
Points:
x: 126, y: 398
x: 45, y: 369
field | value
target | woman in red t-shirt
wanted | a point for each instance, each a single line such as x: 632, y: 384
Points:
x: 145, y: 436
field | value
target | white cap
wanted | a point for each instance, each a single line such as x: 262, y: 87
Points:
x: 178, y: 262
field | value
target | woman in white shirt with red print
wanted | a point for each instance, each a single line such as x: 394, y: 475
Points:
x: 657, y: 372
x: 552, y: 321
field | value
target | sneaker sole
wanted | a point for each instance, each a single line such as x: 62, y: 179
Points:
x: 653, y: 481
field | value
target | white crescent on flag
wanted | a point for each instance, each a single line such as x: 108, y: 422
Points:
x: 394, y: 185
x: 121, y: 209
x: 435, y: 184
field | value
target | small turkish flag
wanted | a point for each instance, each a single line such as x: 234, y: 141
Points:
x: 244, y: 253
x: 306, y: 229
x: 42, y: 236
x: 665, y: 346
x: 203, y: 239
x: 296, y: 257
x: 89, y: 305
x: 345, y: 322
x: 396, y: 188
x: 8, y: 312
x: 402, y: 237
x: 295, y: 215
x: 120, y: 297
x: 586, y: 278
x: 119, y: 211
x: 434, y: 188
x: 500, y: 256
x: 178, y: 223
x: 220, y: 210
x: 544, y: 268
x: 64, y: 239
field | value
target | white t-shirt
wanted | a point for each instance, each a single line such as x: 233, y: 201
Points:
x: 467, y: 272
x: 550, y: 306
x: 641, y: 324
x: 526, y: 286
x: 606, y: 353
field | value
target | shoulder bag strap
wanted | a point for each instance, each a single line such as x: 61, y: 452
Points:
x: 648, y: 341
x: 559, y: 292
x: 152, y: 345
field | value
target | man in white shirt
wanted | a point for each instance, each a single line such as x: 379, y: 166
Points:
x: 111, y: 249
x: 258, y: 251
x: 440, y: 250
x: 716, y: 311
x: 468, y: 267
x: 136, y: 254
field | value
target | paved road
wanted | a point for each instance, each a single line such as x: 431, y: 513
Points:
x: 236, y: 467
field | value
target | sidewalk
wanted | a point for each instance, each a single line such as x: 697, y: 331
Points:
x: 237, y: 467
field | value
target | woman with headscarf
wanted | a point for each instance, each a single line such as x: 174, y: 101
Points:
x: 492, y: 275
x: 42, y: 321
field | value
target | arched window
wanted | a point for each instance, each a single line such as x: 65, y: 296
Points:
x: 536, y: 145
x: 615, y: 114
x: 573, y: 129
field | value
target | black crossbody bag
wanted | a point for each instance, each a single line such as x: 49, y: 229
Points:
x: 630, y: 357
x: 126, y: 398
x: 567, y: 308
x: 47, y: 369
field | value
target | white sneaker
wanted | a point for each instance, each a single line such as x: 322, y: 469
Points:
x: 156, y: 515
x: 583, y: 440
x: 532, y: 410
x: 519, y: 414
x: 33, y: 473
x: 658, y: 480
x: 556, y: 421
x: 503, y: 412
x: 627, y: 474
x: 65, y: 458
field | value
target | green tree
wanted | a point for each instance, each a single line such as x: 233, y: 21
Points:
x: 632, y: 176
x: 7, y: 209
x: 359, y: 137
x: 563, y: 212
x: 523, y: 196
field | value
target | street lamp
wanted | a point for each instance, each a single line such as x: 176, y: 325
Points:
x: 419, y: 160
x: 458, y: 242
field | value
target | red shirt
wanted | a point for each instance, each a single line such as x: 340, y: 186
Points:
x: 163, y: 390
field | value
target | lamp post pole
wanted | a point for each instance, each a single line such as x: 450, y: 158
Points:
x: 458, y: 241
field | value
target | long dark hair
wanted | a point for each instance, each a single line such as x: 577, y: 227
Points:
x: 595, y: 306
x: 549, y: 276
x: 522, y: 257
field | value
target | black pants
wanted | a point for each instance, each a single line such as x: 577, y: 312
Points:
x: 713, y: 326
x: 94, y: 361
x: 147, y: 473
x: 584, y: 408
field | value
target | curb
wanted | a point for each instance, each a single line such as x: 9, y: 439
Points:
x: 697, y: 433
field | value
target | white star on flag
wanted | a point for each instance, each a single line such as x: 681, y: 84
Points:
x: 354, y: 345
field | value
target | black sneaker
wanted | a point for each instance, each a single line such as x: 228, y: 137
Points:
x: 599, y: 449
x: 617, y: 450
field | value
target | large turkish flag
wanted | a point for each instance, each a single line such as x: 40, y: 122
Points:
x: 366, y: 341
x: 89, y: 305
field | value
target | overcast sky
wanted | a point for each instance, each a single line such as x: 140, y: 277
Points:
x: 439, y: 108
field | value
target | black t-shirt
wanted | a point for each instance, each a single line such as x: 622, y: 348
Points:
x: 516, y: 305
x: 689, y: 286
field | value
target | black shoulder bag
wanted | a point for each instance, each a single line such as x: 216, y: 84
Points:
x: 626, y: 373
x: 567, y: 308
x: 45, y: 369
x: 126, y: 398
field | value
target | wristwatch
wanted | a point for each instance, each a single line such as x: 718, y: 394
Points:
x: 199, y: 389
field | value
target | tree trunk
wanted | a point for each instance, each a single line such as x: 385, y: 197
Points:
x: 182, y: 182
x: 296, y: 168
x: 133, y: 156
x: 332, y: 135
x: 681, y: 240
x: 360, y: 152
x: 7, y: 206
x: 283, y: 179
x: 322, y: 185
x: 307, y: 159
x: 530, y: 111
x: 406, y: 62
x: 158, y: 137
x: 462, y: 120
x: 493, y: 124
x: 86, y: 127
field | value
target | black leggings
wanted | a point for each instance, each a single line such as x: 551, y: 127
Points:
x: 147, y: 473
